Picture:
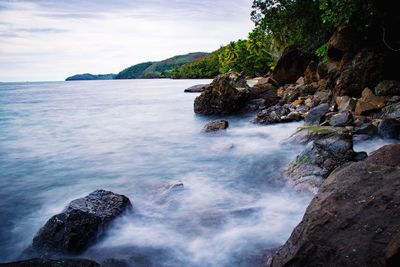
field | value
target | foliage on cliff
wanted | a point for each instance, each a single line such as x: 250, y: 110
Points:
x: 254, y: 56
x: 159, y: 69
x: 309, y: 23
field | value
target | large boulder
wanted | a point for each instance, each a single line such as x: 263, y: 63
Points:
x: 79, y: 225
x: 290, y: 66
x: 318, y: 160
x: 354, y: 218
x: 221, y: 97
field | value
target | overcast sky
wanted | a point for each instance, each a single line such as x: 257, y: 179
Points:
x: 42, y: 40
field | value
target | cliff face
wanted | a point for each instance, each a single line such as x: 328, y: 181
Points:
x: 354, y: 218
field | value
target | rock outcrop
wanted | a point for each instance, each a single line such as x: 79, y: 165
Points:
x: 354, y: 218
x: 290, y: 66
x: 222, y: 97
x: 80, y: 224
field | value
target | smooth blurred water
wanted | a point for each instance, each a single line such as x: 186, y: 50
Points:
x: 62, y: 140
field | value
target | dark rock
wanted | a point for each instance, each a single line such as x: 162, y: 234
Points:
x: 359, y: 156
x: 221, y: 97
x: 215, y: 126
x: 341, y: 119
x: 391, y: 111
x: 389, y: 128
x: 307, y: 134
x: 367, y: 129
x: 80, y: 224
x: 369, y: 103
x: 315, y: 116
x: 255, y: 104
x: 318, y: 160
x: 354, y: 218
x: 290, y: 66
x: 322, y: 71
x: 341, y: 43
x: 310, y: 74
x: 364, y: 70
x: 52, y: 263
x: 388, y: 87
x: 196, y: 88
x: 265, y: 91
x: 276, y: 114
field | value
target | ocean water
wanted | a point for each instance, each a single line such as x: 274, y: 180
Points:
x: 62, y: 140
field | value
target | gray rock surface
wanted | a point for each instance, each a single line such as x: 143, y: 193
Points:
x: 79, y: 225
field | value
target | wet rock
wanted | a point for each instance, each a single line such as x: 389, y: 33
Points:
x: 315, y: 116
x: 389, y: 129
x: 80, y: 224
x: 255, y: 104
x: 341, y: 119
x: 368, y: 129
x: 221, y: 97
x: 196, y: 88
x: 215, y: 126
x: 391, y: 111
x: 276, y: 114
x: 345, y: 103
x: 306, y: 134
x: 52, y: 263
x: 369, y: 103
x: 290, y: 66
x: 318, y: 160
x: 354, y: 218
x: 387, y: 88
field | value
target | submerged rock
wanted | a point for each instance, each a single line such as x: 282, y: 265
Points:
x: 196, y: 88
x: 306, y: 134
x: 221, y: 97
x: 354, y: 218
x: 215, y: 126
x: 52, y: 263
x: 80, y: 224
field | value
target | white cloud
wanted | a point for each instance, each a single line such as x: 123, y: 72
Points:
x: 46, y: 40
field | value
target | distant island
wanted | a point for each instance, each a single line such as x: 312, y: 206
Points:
x: 88, y: 76
x: 145, y: 70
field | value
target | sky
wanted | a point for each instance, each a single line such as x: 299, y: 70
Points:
x: 49, y: 40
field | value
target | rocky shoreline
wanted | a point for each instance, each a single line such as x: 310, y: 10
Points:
x: 353, y: 219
